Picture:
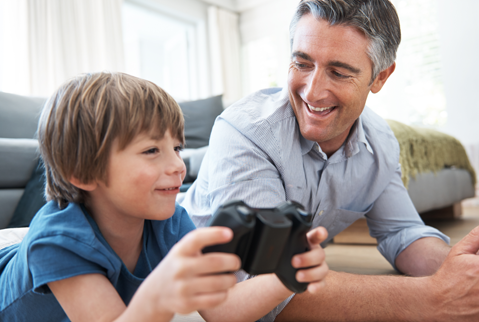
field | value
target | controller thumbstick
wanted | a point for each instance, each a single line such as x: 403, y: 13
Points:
x: 306, y: 215
x: 247, y: 214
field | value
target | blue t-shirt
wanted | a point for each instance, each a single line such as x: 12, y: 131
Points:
x: 66, y: 243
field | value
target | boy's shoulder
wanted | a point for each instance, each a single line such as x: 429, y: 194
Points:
x: 52, y: 221
x: 69, y: 230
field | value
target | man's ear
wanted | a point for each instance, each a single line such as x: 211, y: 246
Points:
x: 382, y: 78
x: 83, y: 186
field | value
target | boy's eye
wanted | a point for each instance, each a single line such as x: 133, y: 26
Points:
x: 151, y: 151
x: 179, y: 148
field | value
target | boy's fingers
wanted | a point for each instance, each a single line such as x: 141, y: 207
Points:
x: 196, y: 240
x: 314, y: 274
x: 212, y: 263
x: 314, y: 257
x: 317, y: 236
x: 208, y: 284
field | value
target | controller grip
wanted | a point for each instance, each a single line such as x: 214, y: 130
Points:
x: 242, y: 232
x: 297, y: 244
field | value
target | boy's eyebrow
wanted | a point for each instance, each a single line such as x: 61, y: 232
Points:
x: 334, y: 63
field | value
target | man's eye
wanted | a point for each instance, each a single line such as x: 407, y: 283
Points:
x: 339, y: 75
x: 151, y: 151
x: 299, y: 65
x: 179, y: 148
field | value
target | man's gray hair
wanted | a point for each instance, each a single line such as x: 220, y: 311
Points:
x: 377, y: 19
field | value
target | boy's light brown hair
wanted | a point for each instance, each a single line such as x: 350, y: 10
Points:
x: 86, y: 114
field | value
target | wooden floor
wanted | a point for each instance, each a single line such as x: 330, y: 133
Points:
x: 366, y: 259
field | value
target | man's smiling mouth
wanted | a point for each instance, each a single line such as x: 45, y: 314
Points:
x: 320, y: 109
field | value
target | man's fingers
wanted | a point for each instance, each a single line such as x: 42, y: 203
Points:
x: 469, y: 244
x: 196, y: 240
x: 317, y: 236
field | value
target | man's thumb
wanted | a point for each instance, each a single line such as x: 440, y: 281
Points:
x: 469, y: 244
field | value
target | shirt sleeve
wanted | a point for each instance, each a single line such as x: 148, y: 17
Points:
x: 394, y: 221
x: 59, y: 257
x: 239, y: 169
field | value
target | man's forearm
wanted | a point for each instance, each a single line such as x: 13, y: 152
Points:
x: 349, y: 297
x: 423, y: 257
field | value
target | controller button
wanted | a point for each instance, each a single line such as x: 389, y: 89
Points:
x: 307, y: 216
x: 246, y: 213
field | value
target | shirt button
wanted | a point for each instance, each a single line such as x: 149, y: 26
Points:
x: 320, y: 213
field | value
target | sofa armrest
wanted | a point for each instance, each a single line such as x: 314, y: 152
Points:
x: 18, y: 158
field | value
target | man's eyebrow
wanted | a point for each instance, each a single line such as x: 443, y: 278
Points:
x: 300, y: 54
x: 334, y: 63
x: 345, y: 66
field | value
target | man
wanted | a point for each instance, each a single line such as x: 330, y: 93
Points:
x: 315, y: 142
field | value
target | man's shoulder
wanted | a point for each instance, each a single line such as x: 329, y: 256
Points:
x: 376, y: 129
x: 264, y: 107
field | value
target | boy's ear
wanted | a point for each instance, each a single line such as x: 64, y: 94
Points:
x: 382, y: 78
x: 83, y: 186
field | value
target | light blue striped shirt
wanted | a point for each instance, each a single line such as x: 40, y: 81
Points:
x: 257, y: 154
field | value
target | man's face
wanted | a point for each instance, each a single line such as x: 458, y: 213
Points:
x: 329, y: 80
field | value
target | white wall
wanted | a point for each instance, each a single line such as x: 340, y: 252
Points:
x: 459, y: 30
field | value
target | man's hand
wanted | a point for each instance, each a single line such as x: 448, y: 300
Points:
x: 456, y: 283
x: 314, y: 260
x: 187, y: 280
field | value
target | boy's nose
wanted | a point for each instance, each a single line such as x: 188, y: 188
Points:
x: 177, y: 165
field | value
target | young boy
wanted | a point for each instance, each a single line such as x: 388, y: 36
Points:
x: 108, y: 245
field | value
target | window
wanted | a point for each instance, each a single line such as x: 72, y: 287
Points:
x: 415, y: 92
x: 159, y: 48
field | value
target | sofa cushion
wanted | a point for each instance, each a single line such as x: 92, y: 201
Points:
x: 32, y: 200
x: 200, y: 116
x: 9, y: 199
x: 18, y: 158
x: 19, y: 115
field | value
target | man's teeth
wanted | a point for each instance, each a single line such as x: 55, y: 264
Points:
x: 170, y: 189
x: 319, y: 109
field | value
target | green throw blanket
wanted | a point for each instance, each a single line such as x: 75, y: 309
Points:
x: 424, y: 150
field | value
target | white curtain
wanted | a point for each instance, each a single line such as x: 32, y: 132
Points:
x: 54, y: 40
x: 225, y: 50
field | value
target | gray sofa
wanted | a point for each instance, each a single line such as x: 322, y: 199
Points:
x: 18, y: 149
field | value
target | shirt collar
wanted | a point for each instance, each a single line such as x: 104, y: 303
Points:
x: 350, y: 148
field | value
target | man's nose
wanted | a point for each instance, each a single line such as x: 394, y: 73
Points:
x: 317, y: 87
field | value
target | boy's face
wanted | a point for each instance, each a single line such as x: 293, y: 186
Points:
x: 143, y: 179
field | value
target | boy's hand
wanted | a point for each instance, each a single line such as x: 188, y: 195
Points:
x: 187, y: 280
x: 314, y: 260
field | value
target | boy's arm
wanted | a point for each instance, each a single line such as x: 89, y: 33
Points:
x: 254, y: 298
x: 184, y: 281
x: 92, y: 297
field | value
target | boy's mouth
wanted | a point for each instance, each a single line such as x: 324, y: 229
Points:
x: 170, y: 190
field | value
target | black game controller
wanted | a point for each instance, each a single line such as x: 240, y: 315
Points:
x: 265, y: 239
